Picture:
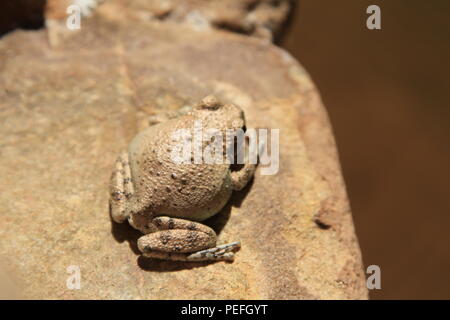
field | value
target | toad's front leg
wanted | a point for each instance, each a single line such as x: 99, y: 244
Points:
x: 120, y: 188
x: 184, y: 240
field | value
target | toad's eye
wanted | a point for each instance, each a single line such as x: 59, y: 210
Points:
x: 209, y: 102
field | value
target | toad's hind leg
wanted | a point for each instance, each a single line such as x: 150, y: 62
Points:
x: 184, y: 240
x: 120, y: 188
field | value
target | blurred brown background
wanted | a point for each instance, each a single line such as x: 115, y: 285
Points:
x: 387, y: 93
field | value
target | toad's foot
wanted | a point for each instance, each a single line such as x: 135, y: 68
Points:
x: 220, y: 253
x: 183, y: 240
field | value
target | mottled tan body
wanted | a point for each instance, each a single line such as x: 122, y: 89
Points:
x: 164, y: 199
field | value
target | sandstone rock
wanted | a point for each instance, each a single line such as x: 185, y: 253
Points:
x: 67, y: 112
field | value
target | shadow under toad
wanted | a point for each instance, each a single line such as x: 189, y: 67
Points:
x: 124, y: 232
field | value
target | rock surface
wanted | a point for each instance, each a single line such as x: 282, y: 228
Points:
x: 261, y: 18
x: 67, y: 112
